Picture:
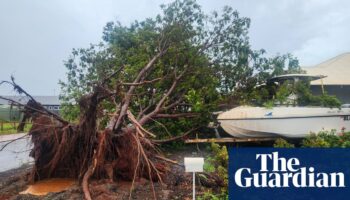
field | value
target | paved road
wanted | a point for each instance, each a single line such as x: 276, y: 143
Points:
x: 15, y: 154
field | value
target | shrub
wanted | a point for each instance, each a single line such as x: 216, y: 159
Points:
x: 218, y: 164
x: 325, y: 139
x: 282, y: 143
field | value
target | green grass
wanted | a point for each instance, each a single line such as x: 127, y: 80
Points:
x: 11, y: 128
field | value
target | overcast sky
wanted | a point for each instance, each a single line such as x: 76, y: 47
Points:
x: 37, y: 35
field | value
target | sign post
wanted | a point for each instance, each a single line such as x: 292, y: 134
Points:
x: 194, y: 164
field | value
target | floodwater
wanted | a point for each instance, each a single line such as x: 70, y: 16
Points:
x: 49, y: 185
x: 15, y: 154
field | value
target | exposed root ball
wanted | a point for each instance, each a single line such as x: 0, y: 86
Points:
x: 80, y: 151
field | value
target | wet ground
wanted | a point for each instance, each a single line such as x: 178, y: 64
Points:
x: 16, y: 153
x: 177, y: 184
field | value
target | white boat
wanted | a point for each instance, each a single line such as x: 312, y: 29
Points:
x: 282, y: 121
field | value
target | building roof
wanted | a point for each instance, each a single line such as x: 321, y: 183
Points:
x: 44, y: 100
x: 336, y: 69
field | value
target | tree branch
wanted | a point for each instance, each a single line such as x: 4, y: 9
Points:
x: 113, y: 74
x: 177, y: 115
x: 176, y: 137
x: 17, y: 88
x: 145, y: 118
x: 142, y: 83
x: 128, y: 95
x: 172, y: 105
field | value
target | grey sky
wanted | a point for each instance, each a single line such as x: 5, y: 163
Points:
x: 37, y: 35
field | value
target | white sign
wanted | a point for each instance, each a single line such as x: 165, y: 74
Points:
x: 194, y: 164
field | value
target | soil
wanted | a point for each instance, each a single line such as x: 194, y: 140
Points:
x: 177, y: 183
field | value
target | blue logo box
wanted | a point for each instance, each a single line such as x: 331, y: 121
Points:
x: 289, y: 174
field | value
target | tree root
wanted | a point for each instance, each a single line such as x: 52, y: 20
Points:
x: 67, y: 150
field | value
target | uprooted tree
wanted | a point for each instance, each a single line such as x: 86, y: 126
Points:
x: 144, y: 85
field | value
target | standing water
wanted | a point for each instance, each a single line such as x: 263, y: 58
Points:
x: 15, y: 154
x: 49, y: 185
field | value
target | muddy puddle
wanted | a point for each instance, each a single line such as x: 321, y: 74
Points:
x: 50, y: 185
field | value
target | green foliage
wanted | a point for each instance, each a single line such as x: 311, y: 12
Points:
x: 282, y: 143
x: 214, y: 47
x: 301, y: 90
x: 263, y: 95
x: 69, y: 111
x: 264, y: 68
x: 322, y: 139
x: 195, y: 99
x: 269, y: 104
x: 306, y: 98
x: 325, y: 139
x: 285, y: 64
x: 283, y: 92
x: 11, y: 128
x: 182, y: 27
x: 217, y: 163
x: 219, y: 158
x: 208, y: 165
x: 208, y: 195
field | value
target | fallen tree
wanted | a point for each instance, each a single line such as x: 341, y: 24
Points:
x: 63, y: 149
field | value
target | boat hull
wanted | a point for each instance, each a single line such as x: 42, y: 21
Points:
x: 292, y: 126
